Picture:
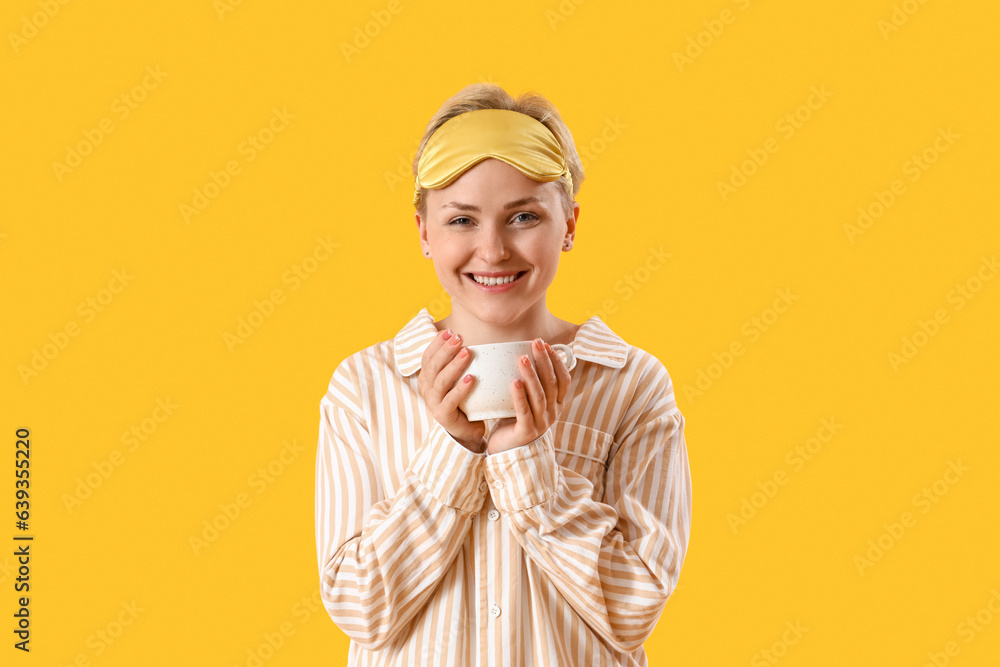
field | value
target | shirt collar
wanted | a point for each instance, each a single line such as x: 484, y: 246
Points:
x: 594, y: 342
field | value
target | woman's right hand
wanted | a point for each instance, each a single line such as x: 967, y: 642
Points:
x: 439, y: 384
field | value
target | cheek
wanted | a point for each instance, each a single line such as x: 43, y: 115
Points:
x: 447, y: 257
x: 553, y: 248
x: 546, y: 262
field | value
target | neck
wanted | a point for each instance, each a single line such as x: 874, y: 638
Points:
x: 539, y: 323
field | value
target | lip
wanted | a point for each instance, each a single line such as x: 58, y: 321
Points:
x: 495, y: 289
x: 495, y: 274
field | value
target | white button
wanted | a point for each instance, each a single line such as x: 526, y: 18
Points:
x: 483, y: 486
x: 495, y: 611
x: 493, y: 515
x: 498, y: 485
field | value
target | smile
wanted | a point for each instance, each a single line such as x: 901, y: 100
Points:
x: 499, y: 280
x: 495, y: 281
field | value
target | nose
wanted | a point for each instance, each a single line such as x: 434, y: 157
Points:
x: 492, y: 246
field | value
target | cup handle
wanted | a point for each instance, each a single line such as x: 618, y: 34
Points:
x: 568, y: 351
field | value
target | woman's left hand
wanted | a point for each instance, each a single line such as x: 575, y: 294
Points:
x: 538, y: 401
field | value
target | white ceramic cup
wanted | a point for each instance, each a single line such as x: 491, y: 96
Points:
x: 494, y: 366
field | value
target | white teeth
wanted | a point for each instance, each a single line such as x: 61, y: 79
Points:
x: 494, y: 281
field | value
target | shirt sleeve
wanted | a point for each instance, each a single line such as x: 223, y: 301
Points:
x: 615, y: 562
x: 381, y: 558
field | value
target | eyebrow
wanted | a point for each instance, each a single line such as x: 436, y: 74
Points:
x: 475, y: 209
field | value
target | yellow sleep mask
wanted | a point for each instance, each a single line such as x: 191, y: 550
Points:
x: 469, y: 138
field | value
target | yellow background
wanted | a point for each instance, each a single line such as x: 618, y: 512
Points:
x: 661, y: 133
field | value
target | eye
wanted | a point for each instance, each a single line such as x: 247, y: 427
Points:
x: 457, y: 221
x: 530, y: 217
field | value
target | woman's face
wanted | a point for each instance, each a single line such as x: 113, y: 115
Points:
x: 495, y: 220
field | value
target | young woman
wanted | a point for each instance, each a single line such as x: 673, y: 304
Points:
x: 551, y: 538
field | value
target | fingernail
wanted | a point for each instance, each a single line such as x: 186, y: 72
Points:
x: 446, y: 334
x: 467, y: 379
x: 517, y: 383
x: 525, y: 360
x: 464, y: 352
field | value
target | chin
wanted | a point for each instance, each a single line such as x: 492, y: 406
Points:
x: 501, y: 315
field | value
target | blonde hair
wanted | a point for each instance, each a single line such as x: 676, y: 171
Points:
x: 491, y: 96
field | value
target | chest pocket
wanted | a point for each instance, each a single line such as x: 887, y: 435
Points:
x: 583, y: 450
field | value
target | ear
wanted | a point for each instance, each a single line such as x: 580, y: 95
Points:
x: 571, y: 222
x: 425, y: 247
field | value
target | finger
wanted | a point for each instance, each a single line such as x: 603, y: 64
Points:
x: 522, y: 407
x: 533, y: 387
x: 459, y: 424
x: 458, y: 392
x: 441, y: 364
x: 435, y: 345
x: 546, y: 372
x: 562, y: 374
x: 453, y: 373
x: 429, y: 364
x: 448, y: 348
